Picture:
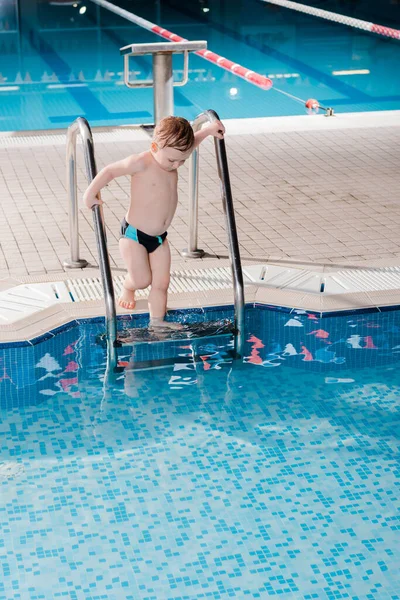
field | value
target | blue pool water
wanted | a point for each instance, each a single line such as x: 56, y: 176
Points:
x: 57, y: 64
x: 203, y: 477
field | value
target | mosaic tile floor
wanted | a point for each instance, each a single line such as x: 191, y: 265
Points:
x: 200, y: 480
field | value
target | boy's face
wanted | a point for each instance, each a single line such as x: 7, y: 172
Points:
x: 169, y: 158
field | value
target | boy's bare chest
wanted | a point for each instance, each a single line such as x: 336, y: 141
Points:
x: 155, y: 184
x: 165, y: 186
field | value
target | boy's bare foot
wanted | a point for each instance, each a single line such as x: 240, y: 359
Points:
x: 127, y: 299
x: 159, y: 322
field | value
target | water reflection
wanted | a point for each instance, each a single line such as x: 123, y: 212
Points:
x: 30, y: 375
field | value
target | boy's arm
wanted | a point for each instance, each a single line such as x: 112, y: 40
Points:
x: 215, y: 128
x: 128, y: 166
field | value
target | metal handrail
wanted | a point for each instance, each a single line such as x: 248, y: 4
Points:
x: 227, y: 201
x: 82, y: 127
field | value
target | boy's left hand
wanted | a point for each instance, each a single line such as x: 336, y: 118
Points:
x: 216, y: 129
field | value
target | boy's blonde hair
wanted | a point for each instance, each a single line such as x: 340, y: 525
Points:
x: 174, y: 132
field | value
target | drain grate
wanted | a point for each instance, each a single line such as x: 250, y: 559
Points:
x: 194, y: 280
x: 346, y: 281
x: 368, y: 280
x: 24, y: 300
x: 27, y: 299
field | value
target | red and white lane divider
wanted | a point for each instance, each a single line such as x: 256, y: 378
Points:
x: 331, y: 16
x: 251, y: 76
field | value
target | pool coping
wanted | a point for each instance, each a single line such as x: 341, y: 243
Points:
x: 46, y: 323
x: 236, y: 126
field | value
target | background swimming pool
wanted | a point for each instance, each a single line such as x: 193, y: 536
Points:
x: 57, y: 64
x: 202, y: 479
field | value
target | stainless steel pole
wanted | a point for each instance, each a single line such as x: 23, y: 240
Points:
x: 192, y: 251
x: 163, y: 90
x: 82, y: 127
x: 100, y: 230
x: 233, y: 245
x: 227, y: 202
x: 74, y: 262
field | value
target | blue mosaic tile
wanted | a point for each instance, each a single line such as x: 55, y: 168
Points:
x: 41, y: 338
x: 20, y: 344
x: 65, y: 327
x: 206, y: 477
x: 84, y: 321
x: 347, y: 313
x: 273, y: 307
x: 388, y: 308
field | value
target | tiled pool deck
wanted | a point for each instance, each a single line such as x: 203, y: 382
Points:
x: 313, y: 191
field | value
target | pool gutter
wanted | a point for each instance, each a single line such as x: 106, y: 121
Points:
x: 77, y: 295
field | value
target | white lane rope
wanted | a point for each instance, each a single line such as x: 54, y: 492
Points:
x: 337, y: 18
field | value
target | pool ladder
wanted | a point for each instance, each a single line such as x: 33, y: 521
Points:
x: 82, y: 127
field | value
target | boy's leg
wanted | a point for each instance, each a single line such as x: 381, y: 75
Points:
x: 160, y: 265
x: 136, y: 260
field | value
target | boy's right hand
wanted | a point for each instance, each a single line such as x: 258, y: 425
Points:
x: 90, y: 201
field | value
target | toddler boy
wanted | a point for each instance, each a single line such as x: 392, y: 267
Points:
x: 154, y: 197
